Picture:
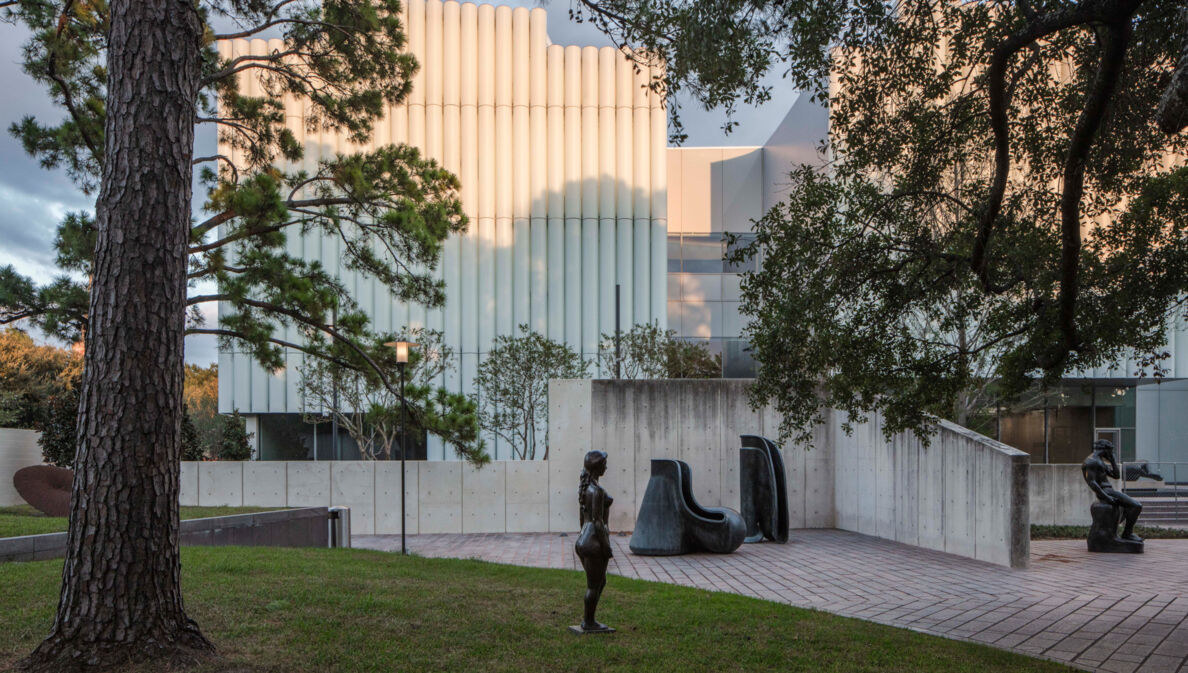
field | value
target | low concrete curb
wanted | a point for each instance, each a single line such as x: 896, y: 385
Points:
x: 305, y: 527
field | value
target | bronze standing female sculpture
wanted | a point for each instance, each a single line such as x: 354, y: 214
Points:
x: 593, y: 545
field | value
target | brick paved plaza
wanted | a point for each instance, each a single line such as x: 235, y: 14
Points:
x: 1100, y: 612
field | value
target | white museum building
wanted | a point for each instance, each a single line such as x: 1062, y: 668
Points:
x: 571, y: 188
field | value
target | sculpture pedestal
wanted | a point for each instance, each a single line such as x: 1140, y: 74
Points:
x: 1103, y: 534
x: 577, y: 630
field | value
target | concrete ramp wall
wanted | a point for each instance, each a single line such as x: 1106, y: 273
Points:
x: 964, y: 494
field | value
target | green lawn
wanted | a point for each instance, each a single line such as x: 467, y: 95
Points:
x: 299, y: 610
x: 1039, y: 532
x: 24, y: 520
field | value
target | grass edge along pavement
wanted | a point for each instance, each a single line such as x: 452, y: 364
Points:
x: 24, y: 520
x: 1045, y: 532
x: 299, y: 610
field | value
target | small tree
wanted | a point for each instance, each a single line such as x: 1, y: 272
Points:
x: 58, y: 425
x: 234, y: 441
x: 369, y: 408
x: 191, y: 446
x: 648, y: 352
x: 513, y: 387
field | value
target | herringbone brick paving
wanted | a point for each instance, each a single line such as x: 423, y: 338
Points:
x: 1101, y: 612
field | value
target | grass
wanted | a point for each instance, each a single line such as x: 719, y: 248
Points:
x: 24, y: 520
x: 306, y: 610
x: 1039, y: 532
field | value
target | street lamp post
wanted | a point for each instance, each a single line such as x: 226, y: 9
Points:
x: 402, y: 348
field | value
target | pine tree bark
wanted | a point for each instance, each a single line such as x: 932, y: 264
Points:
x: 121, y: 584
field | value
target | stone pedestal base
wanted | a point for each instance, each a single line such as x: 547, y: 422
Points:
x: 577, y: 630
x: 1103, y: 534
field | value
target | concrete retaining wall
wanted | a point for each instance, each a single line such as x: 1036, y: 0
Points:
x: 18, y: 448
x: 442, y: 496
x: 964, y: 494
x: 1059, y: 496
x: 288, y: 528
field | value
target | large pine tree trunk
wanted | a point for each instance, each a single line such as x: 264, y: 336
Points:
x: 121, y: 592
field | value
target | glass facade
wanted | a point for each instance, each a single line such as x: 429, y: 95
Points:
x: 703, y: 298
x: 1061, y: 426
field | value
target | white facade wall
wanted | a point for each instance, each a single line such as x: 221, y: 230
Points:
x: 556, y: 148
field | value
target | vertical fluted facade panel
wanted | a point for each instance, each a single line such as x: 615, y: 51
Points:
x: 625, y: 181
x: 416, y: 116
x: 521, y: 178
x: 607, y: 188
x: 555, y: 177
x: 468, y: 175
x: 575, y: 272
x: 433, y: 65
x: 591, y: 313
x: 659, y: 191
x: 504, y: 167
x: 536, y: 160
x: 452, y: 161
x: 641, y: 111
x: 486, y: 177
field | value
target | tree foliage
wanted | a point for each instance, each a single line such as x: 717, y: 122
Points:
x: 234, y: 439
x: 997, y: 163
x: 201, y: 394
x: 30, y: 374
x: 648, y: 352
x: 58, y: 426
x: 513, y: 388
x: 389, y: 209
x: 370, y: 411
x: 191, y: 445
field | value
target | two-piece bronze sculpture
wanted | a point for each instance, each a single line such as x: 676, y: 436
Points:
x: 1112, y: 505
x: 593, y: 545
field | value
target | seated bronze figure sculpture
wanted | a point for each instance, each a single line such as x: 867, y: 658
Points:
x: 1112, y: 505
x: 593, y: 545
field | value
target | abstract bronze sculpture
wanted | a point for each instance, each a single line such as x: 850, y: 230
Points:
x: 45, y: 487
x: 593, y: 545
x: 763, y: 490
x: 671, y: 521
x: 1112, y: 505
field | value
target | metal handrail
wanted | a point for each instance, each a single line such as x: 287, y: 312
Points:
x: 1162, y: 468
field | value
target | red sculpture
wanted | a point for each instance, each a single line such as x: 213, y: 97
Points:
x: 45, y: 487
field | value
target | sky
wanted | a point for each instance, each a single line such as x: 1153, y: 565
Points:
x: 34, y: 200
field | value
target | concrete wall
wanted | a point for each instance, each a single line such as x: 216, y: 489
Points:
x: 289, y: 528
x: 18, y: 448
x: 441, y: 496
x: 1059, y: 496
x: 963, y: 494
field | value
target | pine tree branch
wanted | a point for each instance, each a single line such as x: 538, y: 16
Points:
x: 279, y: 342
